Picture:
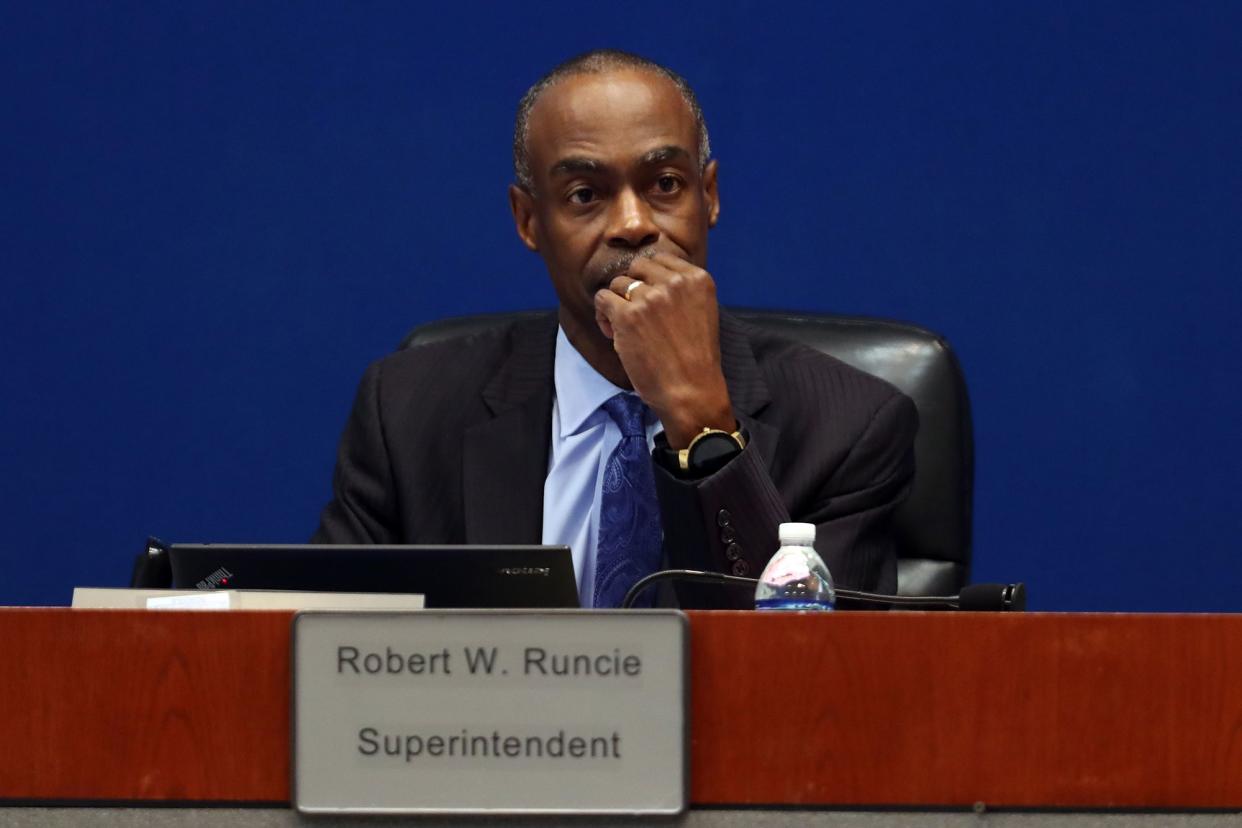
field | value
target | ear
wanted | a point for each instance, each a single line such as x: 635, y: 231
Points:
x: 710, y: 192
x: 524, y: 218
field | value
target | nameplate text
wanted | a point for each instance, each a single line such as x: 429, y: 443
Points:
x: 471, y: 712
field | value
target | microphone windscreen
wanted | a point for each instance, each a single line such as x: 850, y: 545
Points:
x: 1017, y: 598
x: 992, y: 598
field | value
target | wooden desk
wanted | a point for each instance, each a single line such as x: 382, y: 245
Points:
x: 848, y: 709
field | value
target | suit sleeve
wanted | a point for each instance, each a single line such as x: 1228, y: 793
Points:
x: 362, y: 507
x: 728, y: 521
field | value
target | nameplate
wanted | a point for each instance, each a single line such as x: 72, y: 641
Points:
x: 490, y: 712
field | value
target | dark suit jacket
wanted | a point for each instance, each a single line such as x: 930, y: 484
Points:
x: 448, y: 443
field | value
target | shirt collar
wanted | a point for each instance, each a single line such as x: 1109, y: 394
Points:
x: 580, y: 389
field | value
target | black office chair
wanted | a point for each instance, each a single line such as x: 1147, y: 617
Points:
x: 933, y: 526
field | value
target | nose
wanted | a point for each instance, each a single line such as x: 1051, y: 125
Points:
x: 631, y: 223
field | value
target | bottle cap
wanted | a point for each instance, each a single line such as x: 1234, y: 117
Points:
x: 797, y: 534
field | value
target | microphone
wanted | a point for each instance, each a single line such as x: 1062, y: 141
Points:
x: 992, y: 598
x: 972, y: 598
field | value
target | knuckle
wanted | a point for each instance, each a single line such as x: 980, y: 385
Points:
x: 658, y: 297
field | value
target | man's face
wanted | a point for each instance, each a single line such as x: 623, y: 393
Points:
x: 615, y: 168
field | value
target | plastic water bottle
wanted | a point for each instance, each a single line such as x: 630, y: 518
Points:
x: 796, y: 577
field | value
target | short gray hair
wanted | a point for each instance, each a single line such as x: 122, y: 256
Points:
x: 596, y: 62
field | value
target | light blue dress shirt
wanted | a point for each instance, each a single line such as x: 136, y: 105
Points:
x: 583, y: 437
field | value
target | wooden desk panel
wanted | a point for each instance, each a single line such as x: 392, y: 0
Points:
x: 907, y: 709
x: 119, y: 704
x: 951, y: 709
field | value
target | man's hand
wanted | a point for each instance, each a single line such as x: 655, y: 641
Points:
x: 667, y: 337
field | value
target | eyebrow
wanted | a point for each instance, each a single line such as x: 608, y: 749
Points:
x: 662, y: 155
x: 576, y: 164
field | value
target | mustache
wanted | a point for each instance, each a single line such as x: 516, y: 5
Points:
x: 621, y: 264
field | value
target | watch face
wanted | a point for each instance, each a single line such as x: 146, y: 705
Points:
x: 712, y: 451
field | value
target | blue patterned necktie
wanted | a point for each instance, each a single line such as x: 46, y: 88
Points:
x: 630, y: 537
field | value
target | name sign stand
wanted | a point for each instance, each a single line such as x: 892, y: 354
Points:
x: 490, y: 712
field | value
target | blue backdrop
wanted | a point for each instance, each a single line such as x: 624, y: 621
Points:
x: 215, y: 214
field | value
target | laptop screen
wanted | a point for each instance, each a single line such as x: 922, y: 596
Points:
x: 447, y: 576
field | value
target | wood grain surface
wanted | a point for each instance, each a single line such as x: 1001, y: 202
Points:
x: 851, y: 709
x: 131, y: 705
x: 1136, y: 711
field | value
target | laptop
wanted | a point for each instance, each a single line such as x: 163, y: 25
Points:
x: 491, y: 577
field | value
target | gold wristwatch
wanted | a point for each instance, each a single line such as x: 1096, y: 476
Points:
x: 710, y: 449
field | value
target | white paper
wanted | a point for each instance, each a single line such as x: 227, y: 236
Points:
x: 203, y: 601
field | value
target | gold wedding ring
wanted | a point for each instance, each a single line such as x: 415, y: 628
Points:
x: 630, y: 288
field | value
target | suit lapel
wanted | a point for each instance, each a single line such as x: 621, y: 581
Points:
x: 505, y: 459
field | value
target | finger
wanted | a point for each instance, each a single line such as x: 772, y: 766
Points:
x: 620, y: 285
x: 608, y: 305
x: 651, y: 271
x: 670, y: 272
x: 673, y: 261
x: 605, y: 326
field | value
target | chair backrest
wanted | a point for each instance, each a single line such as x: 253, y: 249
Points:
x: 933, y: 526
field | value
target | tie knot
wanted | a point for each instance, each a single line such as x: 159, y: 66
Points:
x: 629, y: 413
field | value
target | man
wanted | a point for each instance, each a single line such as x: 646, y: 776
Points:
x: 644, y: 415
